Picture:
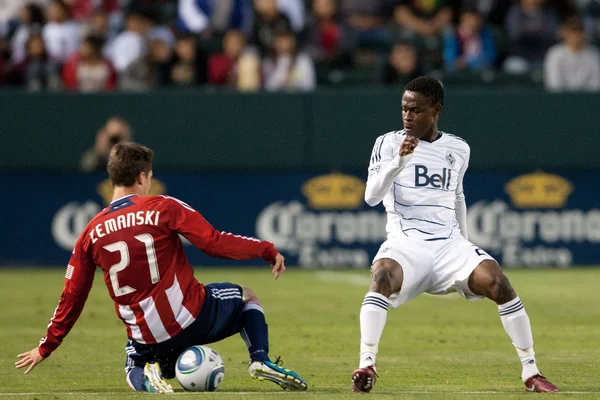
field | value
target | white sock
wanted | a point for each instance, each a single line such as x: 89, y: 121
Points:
x: 373, y: 314
x: 516, y: 324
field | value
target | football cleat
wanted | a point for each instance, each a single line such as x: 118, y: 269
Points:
x: 363, y: 379
x: 540, y: 384
x: 272, y: 371
x: 153, y: 380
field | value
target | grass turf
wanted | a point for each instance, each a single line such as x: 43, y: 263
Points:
x: 432, y: 347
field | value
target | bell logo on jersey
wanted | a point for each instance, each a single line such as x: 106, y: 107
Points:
x: 438, y: 181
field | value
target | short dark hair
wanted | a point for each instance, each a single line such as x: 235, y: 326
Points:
x: 429, y: 87
x: 126, y: 161
x: 36, y: 13
x: 96, y: 42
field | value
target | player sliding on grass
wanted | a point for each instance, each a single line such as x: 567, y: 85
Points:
x: 418, y: 174
x: 135, y: 241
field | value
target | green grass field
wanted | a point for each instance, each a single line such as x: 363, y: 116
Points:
x: 433, y: 347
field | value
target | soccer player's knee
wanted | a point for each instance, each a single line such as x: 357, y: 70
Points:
x: 500, y: 288
x: 382, y: 273
x: 494, y: 284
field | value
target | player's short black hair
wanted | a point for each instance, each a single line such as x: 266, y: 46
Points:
x: 429, y: 87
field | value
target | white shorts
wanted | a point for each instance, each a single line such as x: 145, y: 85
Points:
x: 436, y: 267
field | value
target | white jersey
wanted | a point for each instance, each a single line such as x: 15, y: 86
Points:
x: 422, y: 192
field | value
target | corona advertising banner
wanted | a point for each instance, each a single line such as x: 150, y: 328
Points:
x: 533, y: 219
x: 536, y: 219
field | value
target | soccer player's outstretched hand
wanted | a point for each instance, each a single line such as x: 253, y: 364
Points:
x: 278, y: 265
x: 31, y: 358
x: 408, y: 146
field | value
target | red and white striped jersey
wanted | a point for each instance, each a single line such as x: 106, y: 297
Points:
x: 136, y: 243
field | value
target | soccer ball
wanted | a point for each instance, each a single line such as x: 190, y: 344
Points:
x: 200, y: 369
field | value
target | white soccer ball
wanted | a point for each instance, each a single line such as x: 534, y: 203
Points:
x: 200, y: 369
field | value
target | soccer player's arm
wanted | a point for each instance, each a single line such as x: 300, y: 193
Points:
x: 460, y: 205
x: 191, y: 224
x: 78, y: 283
x: 383, y: 168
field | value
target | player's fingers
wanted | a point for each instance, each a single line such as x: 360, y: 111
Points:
x: 280, y: 269
x: 274, y: 268
x: 23, y: 362
x: 30, y: 368
x: 279, y: 272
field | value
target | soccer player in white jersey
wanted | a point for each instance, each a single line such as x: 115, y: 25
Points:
x: 418, y: 174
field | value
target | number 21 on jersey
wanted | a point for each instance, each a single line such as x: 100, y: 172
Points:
x: 122, y: 248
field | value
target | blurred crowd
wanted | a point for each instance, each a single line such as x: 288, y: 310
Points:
x: 287, y: 45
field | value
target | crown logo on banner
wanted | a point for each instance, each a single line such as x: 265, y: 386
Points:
x: 539, y: 190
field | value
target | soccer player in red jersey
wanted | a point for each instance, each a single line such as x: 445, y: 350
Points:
x: 135, y: 241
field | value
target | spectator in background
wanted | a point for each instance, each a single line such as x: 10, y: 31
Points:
x: 471, y: 45
x: 31, y: 20
x: 367, y: 19
x: 572, y: 64
x: 115, y: 130
x: 205, y: 16
x: 151, y: 70
x: 288, y: 69
x: 329, y: 43
x: 189, y: 68
x: 492, y: 11
x: 131, y: 44
x: 83, y: 10
x: 87, y: 70
x: 224, y: 68
x: 162, y: 33
x: 267, y: 20
x: 161, y: 60
x: 295, y: 11
x: 423, y: 23
x: 38, y: 70
x: 532, y: 29
x: 423, y: 18
x: 402, y: 66
x: 61, y: 35
x: 10, y: 10
x: 98, y: 26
